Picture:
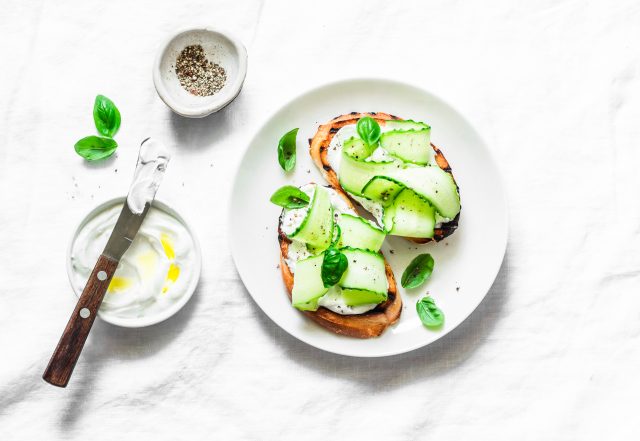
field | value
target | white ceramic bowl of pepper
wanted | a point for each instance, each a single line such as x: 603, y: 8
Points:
x: 199, y: 71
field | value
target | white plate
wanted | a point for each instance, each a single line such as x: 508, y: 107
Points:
x: 468, y: 260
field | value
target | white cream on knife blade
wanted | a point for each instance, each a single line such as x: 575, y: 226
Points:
x: 152, y: 162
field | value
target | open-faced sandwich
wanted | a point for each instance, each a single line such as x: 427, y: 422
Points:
x: 330, y: 257
x: 331, y: 262
x: 389, y: 167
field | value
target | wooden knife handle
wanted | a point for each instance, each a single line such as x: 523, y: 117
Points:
x: 66, y: 355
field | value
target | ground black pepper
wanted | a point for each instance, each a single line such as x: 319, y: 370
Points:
x: 198, y: 75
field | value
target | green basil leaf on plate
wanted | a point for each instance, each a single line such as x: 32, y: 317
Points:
x: 106, y: 116
x: 418, y: 271
x: 334, y: 264
x: 290, y: 197
x: 287, y: 150
x: 94, y: 148
x: 430, y: 315
x: 368, y: 130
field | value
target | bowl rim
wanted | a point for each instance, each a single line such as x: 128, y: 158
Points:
x: 139, y: 322
x: 215, y: 102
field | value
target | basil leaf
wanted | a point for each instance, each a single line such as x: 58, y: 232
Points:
x: 287, y: 150
x: 418, y: 271
x: 334, y: 264
x: 93, y: 148
x: 106, y: 116
x: 290, y: 197
x: 368, y: 130
x: 430, y: 315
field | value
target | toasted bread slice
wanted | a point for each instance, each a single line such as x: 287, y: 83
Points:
x: 319, y: 145
x: 367, y: 325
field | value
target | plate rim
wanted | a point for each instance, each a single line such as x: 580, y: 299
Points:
x: 343, y: 81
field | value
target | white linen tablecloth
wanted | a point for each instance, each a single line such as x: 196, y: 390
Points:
x: 553, y: 351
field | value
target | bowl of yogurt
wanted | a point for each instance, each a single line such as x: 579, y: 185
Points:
x: 157, y: 275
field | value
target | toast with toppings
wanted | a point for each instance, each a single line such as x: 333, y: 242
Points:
x: 321, y: 141
x: 366, y: 325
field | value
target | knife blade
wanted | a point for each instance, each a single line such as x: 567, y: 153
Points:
x: 152, y: 161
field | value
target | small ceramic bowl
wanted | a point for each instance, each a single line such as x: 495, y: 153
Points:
x: 220, y: 47
x: 157, y: 316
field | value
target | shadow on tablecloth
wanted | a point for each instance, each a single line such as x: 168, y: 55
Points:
x: 442, y: 356
x: 196, y: 134
x: 108, y: 343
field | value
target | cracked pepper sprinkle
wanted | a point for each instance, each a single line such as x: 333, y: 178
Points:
x: 198, y: 75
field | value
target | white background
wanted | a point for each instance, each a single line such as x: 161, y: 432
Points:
x: 552, y: 353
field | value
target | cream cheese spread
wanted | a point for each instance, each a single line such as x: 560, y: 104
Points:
x: 155, y: 272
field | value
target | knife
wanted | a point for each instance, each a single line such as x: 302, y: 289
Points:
x: 152, y: 161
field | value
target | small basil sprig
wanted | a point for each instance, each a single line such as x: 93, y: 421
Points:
x: 290, y: 197
x: 368, y: 130
x: 287, y: 150
x: 337, y: 234
x: 106, y: 117
x: 334, y: 264
x: 430, y: 315
x: 93, y: 148
x: 418, y: 271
